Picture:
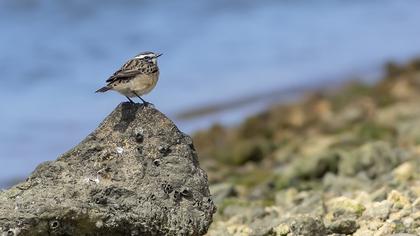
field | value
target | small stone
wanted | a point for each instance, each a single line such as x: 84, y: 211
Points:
x: 345, y: 206
x: 363, y: 232
x: 416, y: 215
x: 386, y: 229
x: 399, y: 200
x: 408, y: 221
x: 374, y: 224
x: 239, y: 230
x: 378, y: 210
x: 281, y: 230
x: 307, y: 225
x: 404, y: 172
x: 343, y: 226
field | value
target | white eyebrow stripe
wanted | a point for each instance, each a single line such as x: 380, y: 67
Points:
x: 145, y: 55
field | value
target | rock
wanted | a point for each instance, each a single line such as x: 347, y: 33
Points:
x: 408, y: 222
x: 316, y: 167
x: 343, y: 206
x: 386, y: 229
x: 343, y: 226
x: 404, y: 172
x: 363, y: 232
x: 281, y: 230
x: 378, y: 210
x: 136, y: 174
x: 307, y: 226
x: 372, y: 159
x: 239, y: 230
x: 222, y: 191
x: 265, y: 225
x: 399, y: 200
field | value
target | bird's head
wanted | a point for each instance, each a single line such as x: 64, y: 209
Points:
x: 150, y: 57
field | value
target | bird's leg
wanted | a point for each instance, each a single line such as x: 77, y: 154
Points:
x: 144, y: 102
x: 129, y: 99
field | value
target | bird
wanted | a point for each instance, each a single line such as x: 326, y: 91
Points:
x: 137, y: 77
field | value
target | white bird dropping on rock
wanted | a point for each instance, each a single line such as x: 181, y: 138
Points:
x: 119, y: 150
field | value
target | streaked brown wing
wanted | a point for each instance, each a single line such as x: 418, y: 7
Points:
x: 130, y: 69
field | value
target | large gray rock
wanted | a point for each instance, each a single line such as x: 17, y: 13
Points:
x: 136, y: 174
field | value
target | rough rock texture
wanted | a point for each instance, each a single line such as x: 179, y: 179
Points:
x: 136, y: 174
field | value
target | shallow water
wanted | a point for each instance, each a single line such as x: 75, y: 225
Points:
x: 54, y: 54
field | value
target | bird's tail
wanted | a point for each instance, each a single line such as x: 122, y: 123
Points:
x: 103, y: 89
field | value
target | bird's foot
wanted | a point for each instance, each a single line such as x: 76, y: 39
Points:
x: 148, y: 104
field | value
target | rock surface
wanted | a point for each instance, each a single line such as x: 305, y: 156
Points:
x: 136, y: 174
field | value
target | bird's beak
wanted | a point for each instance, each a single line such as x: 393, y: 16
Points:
x: 160, y: 54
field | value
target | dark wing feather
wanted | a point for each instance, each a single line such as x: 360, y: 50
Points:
x: 127, y: 71
x: 123, y: 75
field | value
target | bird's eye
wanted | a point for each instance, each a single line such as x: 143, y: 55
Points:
x: 147, y: 57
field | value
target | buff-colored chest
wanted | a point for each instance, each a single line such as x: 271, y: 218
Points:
x: 139, y: 85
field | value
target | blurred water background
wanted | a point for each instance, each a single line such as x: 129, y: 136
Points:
x: 54, y: 54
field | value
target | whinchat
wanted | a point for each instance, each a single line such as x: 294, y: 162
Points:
x: 137, y: 77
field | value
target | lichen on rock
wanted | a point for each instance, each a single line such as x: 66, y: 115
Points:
x: 136, y: 174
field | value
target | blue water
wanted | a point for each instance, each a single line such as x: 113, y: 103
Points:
x: 54, y: 54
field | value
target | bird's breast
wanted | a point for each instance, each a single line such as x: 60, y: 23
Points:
x: 143, y: 84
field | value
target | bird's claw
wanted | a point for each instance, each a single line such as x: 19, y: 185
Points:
x: 148, y: 104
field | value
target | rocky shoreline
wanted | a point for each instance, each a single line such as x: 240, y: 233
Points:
x: 341, y: 163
